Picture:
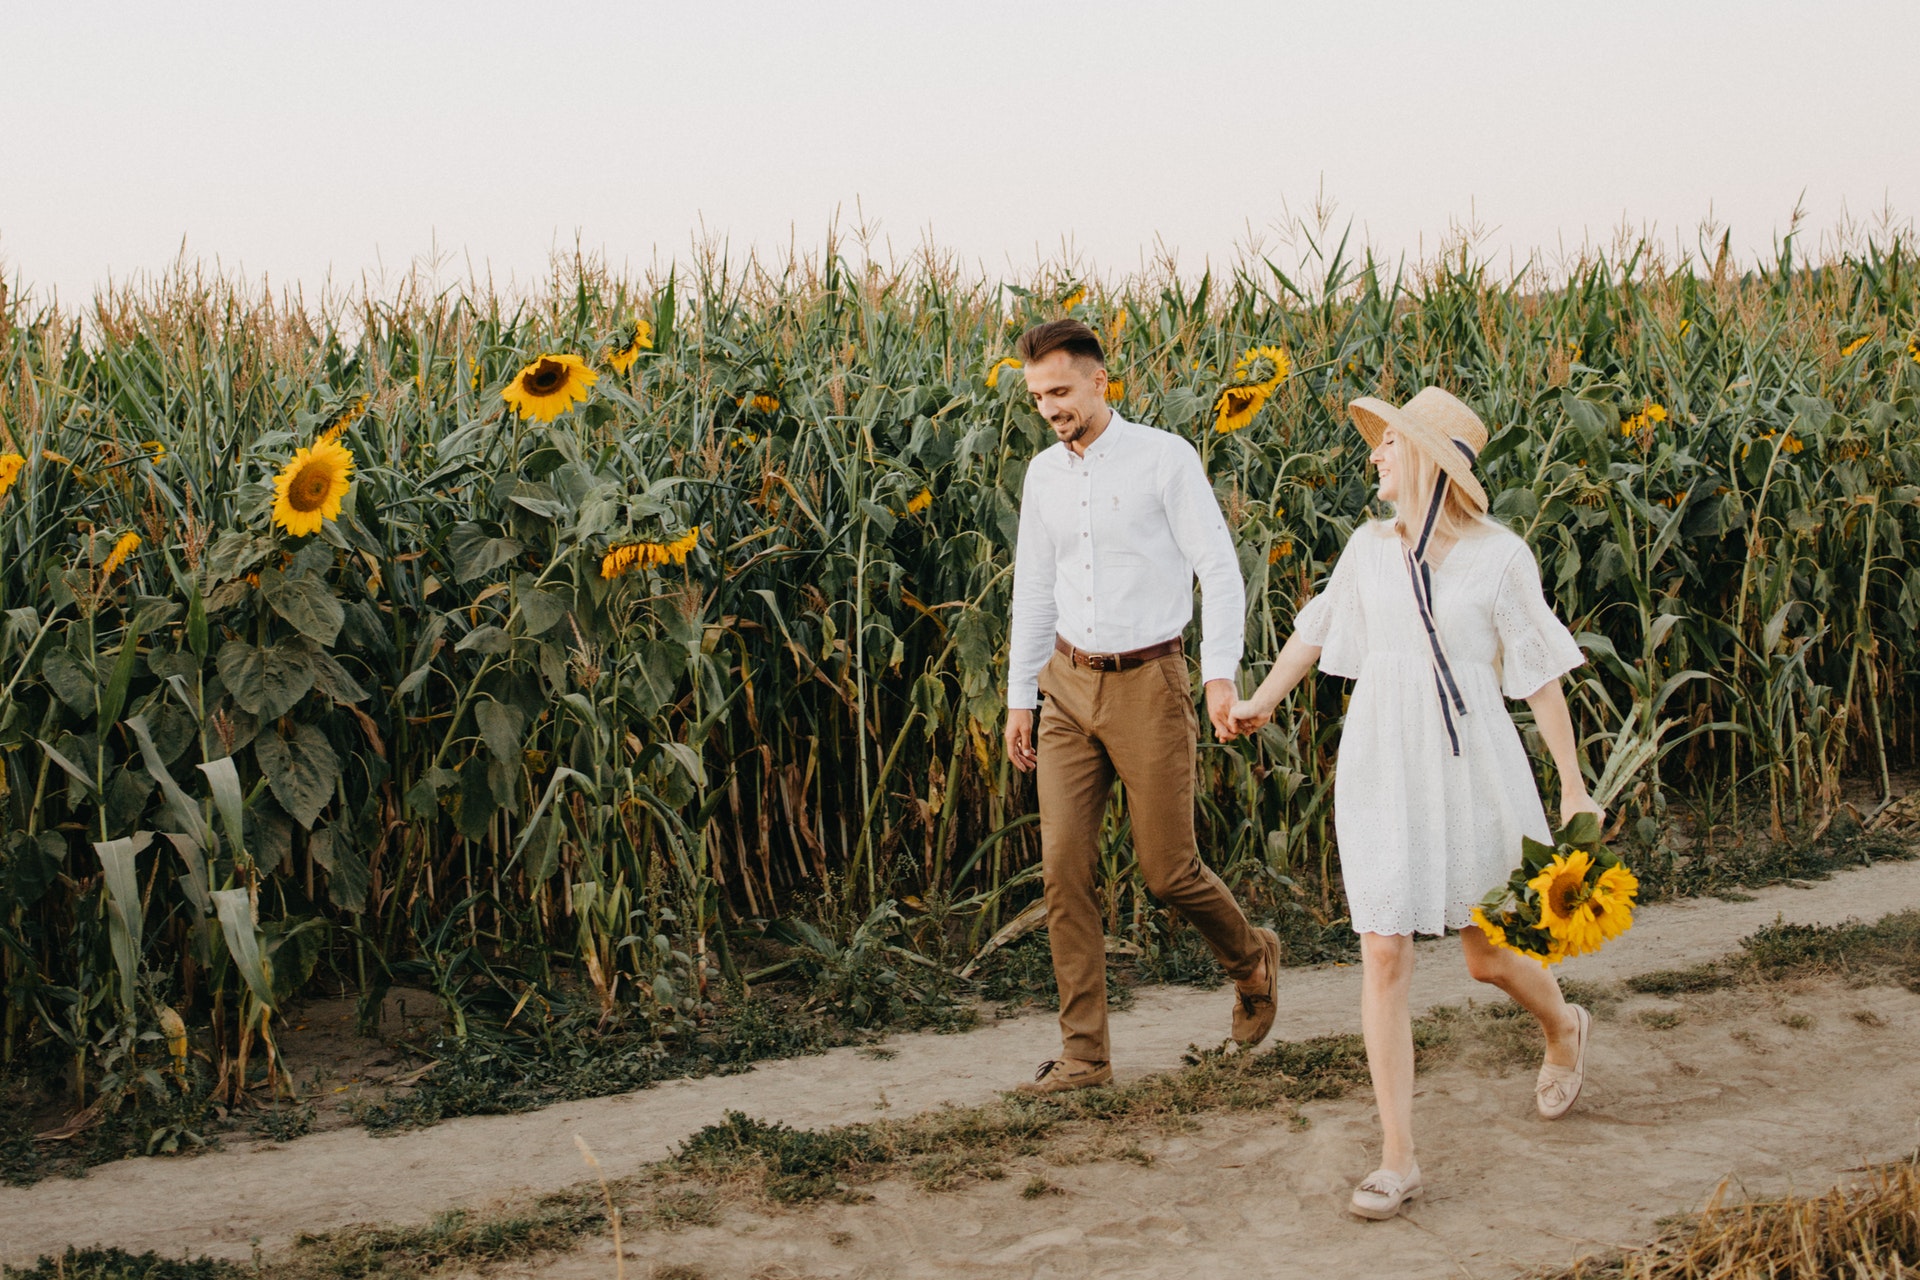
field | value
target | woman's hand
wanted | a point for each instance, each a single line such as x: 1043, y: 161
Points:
x: 1572, y: 802
x: 1249, y: 714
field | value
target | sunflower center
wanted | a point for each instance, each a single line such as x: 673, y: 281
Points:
x: 545, y: 378
x: 1565, y: 894
x: 307, y: 491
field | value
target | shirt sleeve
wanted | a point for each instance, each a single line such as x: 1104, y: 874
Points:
x: 1535, y: 646
x: 1035, y: 613
x: 1200, y: 531
x: 1334, y: 619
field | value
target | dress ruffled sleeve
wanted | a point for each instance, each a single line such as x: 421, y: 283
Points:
x: 1334, y: 620
x: 1535, y: 646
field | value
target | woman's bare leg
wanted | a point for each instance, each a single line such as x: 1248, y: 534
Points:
x: 1386, y: 975
x: 1532, y: 988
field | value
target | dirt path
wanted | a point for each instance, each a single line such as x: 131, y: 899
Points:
x: 1775, y: 1090
x: 224, y: 1203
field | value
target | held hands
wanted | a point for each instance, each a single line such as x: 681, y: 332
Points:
x: 1248, y: 714
x: 1220, y: 706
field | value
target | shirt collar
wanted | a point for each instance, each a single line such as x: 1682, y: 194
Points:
x: 1109, y: 439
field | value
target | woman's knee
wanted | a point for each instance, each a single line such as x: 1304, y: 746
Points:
x: 1387, y: 957
x: 1485, y: 962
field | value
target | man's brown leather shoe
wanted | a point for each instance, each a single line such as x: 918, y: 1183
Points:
x: 1253, y: 1011
x: 1062, y: 1075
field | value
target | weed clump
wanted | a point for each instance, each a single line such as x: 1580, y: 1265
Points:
x: 118, y: 1264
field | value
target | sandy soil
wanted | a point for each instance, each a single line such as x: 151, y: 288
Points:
x: 1730, y: 1092
x: 1781, y: 1104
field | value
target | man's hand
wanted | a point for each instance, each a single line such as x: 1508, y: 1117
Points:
x: 1220, y: 697
x: 1020, y: 739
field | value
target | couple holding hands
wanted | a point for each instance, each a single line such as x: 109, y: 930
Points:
x: 1436, y: 614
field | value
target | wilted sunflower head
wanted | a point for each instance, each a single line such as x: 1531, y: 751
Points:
x: 549, y: 386
x: 1237, y: 406
x: 126, y: 546
x: 308, y: 490
x: 1262, y: 366
x: 637, y: 337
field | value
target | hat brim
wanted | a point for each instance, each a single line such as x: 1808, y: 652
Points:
x: 1372, y: 416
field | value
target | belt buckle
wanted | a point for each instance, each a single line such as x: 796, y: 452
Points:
x: 1098, y: 662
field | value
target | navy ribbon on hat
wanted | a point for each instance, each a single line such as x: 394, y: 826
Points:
x: 1451, y: 702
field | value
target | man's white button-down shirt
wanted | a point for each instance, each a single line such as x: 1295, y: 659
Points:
x: 1110, y: 544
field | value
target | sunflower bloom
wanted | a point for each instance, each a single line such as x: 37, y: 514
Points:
x: 1281, y: 551
x: 549, y: 387
x: 128, y: 544
x: 639, y: 338
x: 1262, y: 367
x: 1116, y: 390
x: 1913, y: 349
x: 308, y: 490
x: 11, y: 465
x: 1854, y: 346
x: 1612, y: 901
x: 1567, y: 910
x: 919, y: 502
x: 1005, y: 362
x: 1074, y: 299
x: 1237, y: 406
x: 766, y: 402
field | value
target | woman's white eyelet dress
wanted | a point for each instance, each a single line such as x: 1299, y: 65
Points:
x: 1424, y: 834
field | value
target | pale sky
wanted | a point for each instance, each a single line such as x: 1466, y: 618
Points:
x: 301, y: 140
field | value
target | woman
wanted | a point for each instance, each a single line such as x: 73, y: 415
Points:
x: 1436, y: 613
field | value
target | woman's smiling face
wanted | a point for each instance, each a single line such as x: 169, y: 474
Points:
x: 1385, y: 457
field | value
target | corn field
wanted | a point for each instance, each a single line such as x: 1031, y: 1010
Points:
x: 434, y: 741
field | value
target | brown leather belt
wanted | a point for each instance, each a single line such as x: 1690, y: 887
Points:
x: 1116, y: 661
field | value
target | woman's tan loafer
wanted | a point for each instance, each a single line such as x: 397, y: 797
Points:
x: 1558, y: 1087
x: 1382, y: 1193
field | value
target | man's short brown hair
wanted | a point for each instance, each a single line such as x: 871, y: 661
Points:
x: 1060, y: 335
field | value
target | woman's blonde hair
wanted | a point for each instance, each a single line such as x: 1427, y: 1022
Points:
x: 1458, y: 517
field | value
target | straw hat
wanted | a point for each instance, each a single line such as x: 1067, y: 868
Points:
x: 1431, y: 422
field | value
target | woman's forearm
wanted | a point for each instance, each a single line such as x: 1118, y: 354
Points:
x: 1555, y: 723
x: 1289, y: 669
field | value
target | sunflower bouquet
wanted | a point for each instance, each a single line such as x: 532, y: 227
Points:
x: 1567, y: 898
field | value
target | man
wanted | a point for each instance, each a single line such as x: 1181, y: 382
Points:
x: 1115, y: 522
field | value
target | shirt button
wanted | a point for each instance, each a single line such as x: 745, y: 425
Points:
x: 1089, y: 599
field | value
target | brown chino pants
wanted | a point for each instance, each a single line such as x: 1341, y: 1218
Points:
x: 1138, y: 725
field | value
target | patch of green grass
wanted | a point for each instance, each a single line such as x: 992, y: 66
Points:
x: 1885, y: 952
x: 118, y: 1264
x: 1674, y: 982
x: 454, y: 1239
x: 1757, y: 861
